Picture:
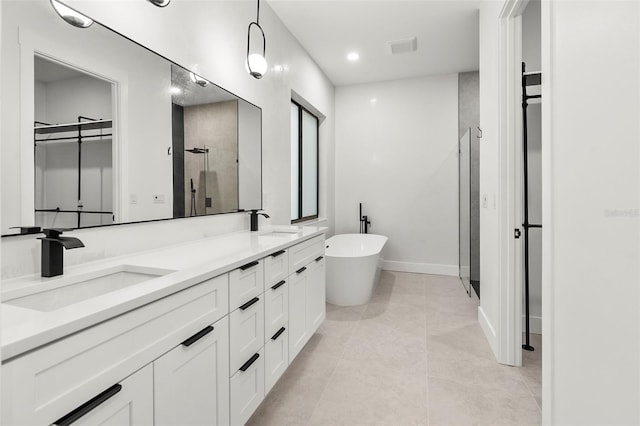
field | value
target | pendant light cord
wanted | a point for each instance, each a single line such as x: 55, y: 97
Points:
x: 258, y: 13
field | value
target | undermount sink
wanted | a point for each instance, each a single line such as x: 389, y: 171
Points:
x: 52, y: 295
x: 279, y: 233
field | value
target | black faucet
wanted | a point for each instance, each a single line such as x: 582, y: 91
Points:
x: 52, y: 259
x: 364, y: 222
x: 254, y: 218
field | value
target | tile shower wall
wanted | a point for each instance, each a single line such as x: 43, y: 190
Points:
x: 469, y: 117
x: 214, y: 173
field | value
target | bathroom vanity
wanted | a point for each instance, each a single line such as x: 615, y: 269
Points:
x: 192, y: 334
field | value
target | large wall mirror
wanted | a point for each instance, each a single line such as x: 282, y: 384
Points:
x: 98, y: 130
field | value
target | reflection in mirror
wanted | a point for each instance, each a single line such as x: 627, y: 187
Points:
x: 73, y: 147
x: 208, y: 143
x: 145, y: 139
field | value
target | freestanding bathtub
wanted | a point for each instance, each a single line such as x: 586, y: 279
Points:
x: 354, y: 262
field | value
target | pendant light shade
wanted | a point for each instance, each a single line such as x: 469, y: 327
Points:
x: 256, y: 63
x: 72, y: 17
x: 159, y: 3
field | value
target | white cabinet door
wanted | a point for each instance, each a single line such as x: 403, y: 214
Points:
x: 276, y: 357
x: 301, y: 254
x: 276, y: 308
x: 128, y: 403
x: 276, y: 268
x: 298, y: 327
x: 246, y: 328
x: 247, y: 389
x: 316, y: 309
x: 245, y: 283
x: 191, y: 382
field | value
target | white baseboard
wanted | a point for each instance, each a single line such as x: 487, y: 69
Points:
x: 420, y: 268
x: 535, y: 324
x: 489, y: 331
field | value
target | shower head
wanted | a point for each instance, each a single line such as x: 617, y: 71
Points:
x: 198, y: 150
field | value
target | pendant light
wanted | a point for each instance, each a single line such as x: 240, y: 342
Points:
x: 70, y: 16
x: 256, y: 63
x: 159, y: 3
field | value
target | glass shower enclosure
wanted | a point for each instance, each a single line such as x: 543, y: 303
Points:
x: 469, y: 212
x: 464, y: 204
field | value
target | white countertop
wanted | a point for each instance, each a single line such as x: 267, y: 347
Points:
x: 193, y: 262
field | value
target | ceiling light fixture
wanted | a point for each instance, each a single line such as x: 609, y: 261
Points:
x: 198, y: 80
x: 159, y: 3
x: 71, y: 16
x: 353, y: 56
x: 256, y: 63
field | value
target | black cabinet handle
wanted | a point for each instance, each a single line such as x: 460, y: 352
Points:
x: 251, y: 361
x: 199, y: 335
x: 249, y: 265
x: 319, y: 258
x: 278, y: 333
x: 301, y: 270
x: 88, y: 406
x: 249, y: 303
x: 278, y: 253
x: 276, y: 286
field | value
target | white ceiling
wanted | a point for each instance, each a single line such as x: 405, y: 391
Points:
x: 447, y: 32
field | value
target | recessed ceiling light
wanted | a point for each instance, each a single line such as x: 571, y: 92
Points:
x: 373, y: 100
x: 176, y: 90
x: 353, y: 56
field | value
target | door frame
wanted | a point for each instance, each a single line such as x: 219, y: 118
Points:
x: 510, y: 150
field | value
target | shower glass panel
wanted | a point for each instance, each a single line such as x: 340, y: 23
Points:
x: 464, y: 181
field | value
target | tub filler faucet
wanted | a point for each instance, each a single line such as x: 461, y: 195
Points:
x: 364, y: 222
x: 52, y: 258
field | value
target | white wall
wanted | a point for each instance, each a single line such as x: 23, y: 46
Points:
x: 591, y: 191
x: 488, y: 313
x: 208, y: 37
x: 398, y: 156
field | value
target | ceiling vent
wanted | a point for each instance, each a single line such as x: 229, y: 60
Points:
x: 403, y: 46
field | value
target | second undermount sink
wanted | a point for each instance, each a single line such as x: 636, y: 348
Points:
x: 52, y: 295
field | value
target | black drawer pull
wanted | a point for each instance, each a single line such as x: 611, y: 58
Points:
x: 276, y: 286
x: 199, y: 335
x: 278, y: 253
x: 319, y: 258
x: 278, y: 333
x: 88, y: 406
x: 248, y: 363
x: 249, y: 303
x: 249, y: 265
x: 301, y: 270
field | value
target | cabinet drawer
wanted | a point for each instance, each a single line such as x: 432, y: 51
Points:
x: 51, y: 381
x: 129, y: 404
x: 276, y: 308
x: 276, y: 268
x: 191, y: 382
x: 245, y: 283
x: 276, y: 357
x: 247, y: 390
x: 305, y: 252
x: 246, y: 332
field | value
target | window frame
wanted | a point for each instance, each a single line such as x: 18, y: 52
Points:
x: 301, y: 218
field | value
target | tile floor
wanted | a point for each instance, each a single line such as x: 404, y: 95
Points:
x: 414, y: 355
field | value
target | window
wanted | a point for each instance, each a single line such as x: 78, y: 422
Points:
x: 304, y: 164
